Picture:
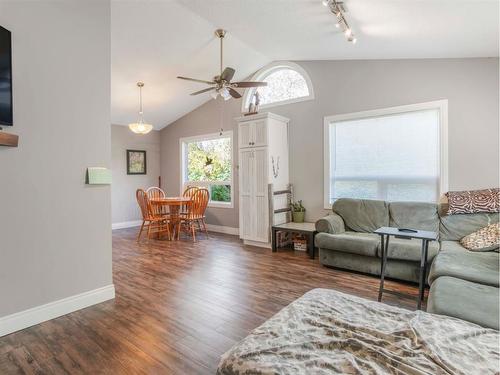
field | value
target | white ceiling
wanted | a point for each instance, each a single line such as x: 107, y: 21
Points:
x: 156, y: 40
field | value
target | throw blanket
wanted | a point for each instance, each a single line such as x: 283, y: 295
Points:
x: 328, y: 332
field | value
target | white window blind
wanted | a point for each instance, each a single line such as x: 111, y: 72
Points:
x: 392, y: 157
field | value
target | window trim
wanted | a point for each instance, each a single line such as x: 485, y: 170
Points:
x: 271, y: 68
x: 441, y: 105
x: 183, y: 160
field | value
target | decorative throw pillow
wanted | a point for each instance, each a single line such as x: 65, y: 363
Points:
x: 485, y: 239
x: 473, y: 201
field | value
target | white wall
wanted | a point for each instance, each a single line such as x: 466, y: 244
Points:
x: 55, y: 231
x: 470, y: 85
x: 124, y: 208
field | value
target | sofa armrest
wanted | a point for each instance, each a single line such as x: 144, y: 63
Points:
x: 332, y: 224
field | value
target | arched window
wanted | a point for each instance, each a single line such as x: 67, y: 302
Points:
x: 287, y: 83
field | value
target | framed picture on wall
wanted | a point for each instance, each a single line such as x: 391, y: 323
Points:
x: 136, y: 162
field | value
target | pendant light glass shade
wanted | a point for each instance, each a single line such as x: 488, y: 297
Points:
x: 140, y: 127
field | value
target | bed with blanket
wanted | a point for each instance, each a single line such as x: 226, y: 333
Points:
x: 328, y: 332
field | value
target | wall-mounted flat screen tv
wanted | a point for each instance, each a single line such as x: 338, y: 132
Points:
x: 5, y: 78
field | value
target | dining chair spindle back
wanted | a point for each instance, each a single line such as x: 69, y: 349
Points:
x: 156, y: 193
x: 154, y: 222
x: 196, y: 212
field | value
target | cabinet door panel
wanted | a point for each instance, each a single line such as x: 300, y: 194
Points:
x: 262, y: 216
x: 247, y: 218
x: 259, y: 133
x: 246, y: 177
x: 260, y: 172
x: 245, y: 131
x: 260, y: 192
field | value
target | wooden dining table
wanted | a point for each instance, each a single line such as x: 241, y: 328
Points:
x: 174, y: 205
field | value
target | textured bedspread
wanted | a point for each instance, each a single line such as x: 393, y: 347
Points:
x: 328, y: 332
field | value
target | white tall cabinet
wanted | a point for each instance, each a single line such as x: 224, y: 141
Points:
x: 263, y: 160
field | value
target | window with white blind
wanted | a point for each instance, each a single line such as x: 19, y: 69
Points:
x: 393, y: 154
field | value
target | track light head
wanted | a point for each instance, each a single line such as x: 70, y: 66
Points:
x: 338, y: 9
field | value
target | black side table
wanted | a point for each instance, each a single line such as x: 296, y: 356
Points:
x: 425, y: 236
x: 308, y: 229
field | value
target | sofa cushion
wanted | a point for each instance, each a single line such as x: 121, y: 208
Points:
x: 482, y: 268
x: 349, y: 242
x: 362, y: 215
x: 332, y: 223
x: 410, y: 250
x: 454, y: 227
x: 414, y: 215
x: 452, y: 246
x: 465, y: 300
x: 485, y: 239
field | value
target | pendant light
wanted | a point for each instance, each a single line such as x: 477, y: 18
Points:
x: 140, y: 127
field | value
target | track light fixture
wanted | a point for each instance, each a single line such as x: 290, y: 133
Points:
x: 338, y: 9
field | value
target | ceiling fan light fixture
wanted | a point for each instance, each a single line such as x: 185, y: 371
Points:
x: 222, y: 83
x: 224, y: 92
x: 140, y: 127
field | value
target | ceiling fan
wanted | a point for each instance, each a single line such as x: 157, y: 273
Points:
x: 221, y: 84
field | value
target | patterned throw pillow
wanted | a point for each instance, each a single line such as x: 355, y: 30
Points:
x: 473, y: 201
x: 485, y: 239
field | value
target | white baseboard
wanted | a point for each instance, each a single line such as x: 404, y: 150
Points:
x: 223, y: 229
x: 126, y: 224
x: 210, y: 227
x: 27, y: 318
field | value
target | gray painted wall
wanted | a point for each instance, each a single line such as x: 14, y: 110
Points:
x: 124, y: 207
x: 55, y: 231
x: 470, y: 85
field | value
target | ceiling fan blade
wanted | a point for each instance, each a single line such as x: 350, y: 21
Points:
x: 202, y: 91
x: 235, y: 94
x: 249, y: 84
x: 228, y: 74
x: 197, y: 80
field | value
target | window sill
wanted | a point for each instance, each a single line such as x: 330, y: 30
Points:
x: 220, y: 205
x: 284, y: 102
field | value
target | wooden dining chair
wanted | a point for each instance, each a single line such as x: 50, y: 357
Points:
x: 188, y: 193
x: 154, y: 222
x: 154, y: 192
x: 195, y: 214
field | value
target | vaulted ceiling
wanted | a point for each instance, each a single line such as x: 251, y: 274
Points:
x: 154, y: 41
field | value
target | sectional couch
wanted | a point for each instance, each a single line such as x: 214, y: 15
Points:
x: 464, y: 284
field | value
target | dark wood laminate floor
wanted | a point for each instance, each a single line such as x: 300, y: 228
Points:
x: 178, y: 307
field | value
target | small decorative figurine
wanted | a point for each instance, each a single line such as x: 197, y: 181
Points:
x: 256, y: 100
x: 253, y: 107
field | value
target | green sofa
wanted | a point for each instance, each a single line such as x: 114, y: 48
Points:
x: 464, y: 284
x: 346, y: 240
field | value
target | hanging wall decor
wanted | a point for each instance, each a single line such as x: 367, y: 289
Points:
x: 136, y: 162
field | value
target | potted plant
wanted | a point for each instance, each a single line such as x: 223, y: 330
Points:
x: 298, y: 211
